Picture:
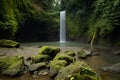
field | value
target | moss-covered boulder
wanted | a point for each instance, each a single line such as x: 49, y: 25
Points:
x: 56, y: 65
x: 12, y: 66
x: 9, y: 43
x: 60, y: 60
x: 78, y: 70
x: 49, y: 50
x: 40, y: 58
x: 82, y: 53
x: 35, y: 67
x: 70, y: 53
x: 63, y: 56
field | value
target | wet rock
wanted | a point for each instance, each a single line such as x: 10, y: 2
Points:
x: 70, y: 53
x: 12, y: 66
x: 43, y: 72
x: 49, y: 50
x: 63, y: 56
x: 9, y: 43
x: 117, y: 53
x: 56, y: 65
x: 78, y: 70
x: 35, y: 76
x: 96, y: 54
x: 113, y: 68
x: 37, y: 66
x: 27, y: 62
x: 90, y: 53
x: 82, y: 53
x: 40, y: 58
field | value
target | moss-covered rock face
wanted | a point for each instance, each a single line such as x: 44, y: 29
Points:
x: 63, y: 56
x: 11, y: 66
x: 70, y: 53
x: 49, y: 50
x: 40, y: 58
x: 35, y: 67
x: 60, y: 60
x: 77, y: 71
x: 9, y: 43
x: 81, y: 53
x: 56, y: 65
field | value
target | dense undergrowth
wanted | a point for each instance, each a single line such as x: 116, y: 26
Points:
x: 97, y: 16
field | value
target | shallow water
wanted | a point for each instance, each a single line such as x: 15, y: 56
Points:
x: 105, y: 58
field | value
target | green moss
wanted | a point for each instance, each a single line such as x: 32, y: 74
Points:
x: 49, y: 50
x: 56, y: 65
x: 81, y: 53
x: 11, y: 66
x: 9, y: 43
x: 13, y: 14
x: 70, y: 53
x: 62, y: 56
x: 78, y: 70
x: 40, y: 58
x: 35, y: 67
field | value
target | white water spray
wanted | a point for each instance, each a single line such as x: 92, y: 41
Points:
x: 62, y: 26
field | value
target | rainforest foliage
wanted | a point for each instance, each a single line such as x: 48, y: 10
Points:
x: 24, y: 19
x: 38, y: 20
x: 100, y: 16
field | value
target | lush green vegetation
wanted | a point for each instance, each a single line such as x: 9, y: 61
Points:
x: 92, y: 21
x: 94, y: 16
x: 24, y: 19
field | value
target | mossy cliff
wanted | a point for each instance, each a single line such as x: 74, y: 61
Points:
x: 12, y: 14
x: 25, y: 21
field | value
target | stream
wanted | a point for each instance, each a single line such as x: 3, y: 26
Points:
x: 105, y: 58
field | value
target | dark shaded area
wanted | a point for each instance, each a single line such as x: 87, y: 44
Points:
x: 39, y: 28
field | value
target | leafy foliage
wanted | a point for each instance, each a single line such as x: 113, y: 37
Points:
x: 12, y: 14
x: 95, y: 15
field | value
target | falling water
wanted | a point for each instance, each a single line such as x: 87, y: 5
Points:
x: 62, y: 26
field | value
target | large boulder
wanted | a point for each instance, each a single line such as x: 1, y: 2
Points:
x: 35, y: 67
x: 78, y: 70
x: 60, y: 60
x: 40, y: 58
x: 9, y: 43
x: 56, y: 65
x: 70, y: 53
x: 49, y: 50
x: 12, y: 66
x: 63, y: 56
x: 82, y: 53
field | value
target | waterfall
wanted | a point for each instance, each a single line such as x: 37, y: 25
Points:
x: 62, y: 26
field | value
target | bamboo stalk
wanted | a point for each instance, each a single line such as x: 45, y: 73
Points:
x: 93, y: 38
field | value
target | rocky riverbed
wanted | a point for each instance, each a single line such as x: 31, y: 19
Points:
x: 42, y: 65
x: 43, y: 61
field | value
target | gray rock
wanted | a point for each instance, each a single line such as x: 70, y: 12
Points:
x: 113, y: 68
x: 43, y: 72
x: 82, y: 53
x: 35, y: 67
x: 35, y: 76
x: 78, y: 70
